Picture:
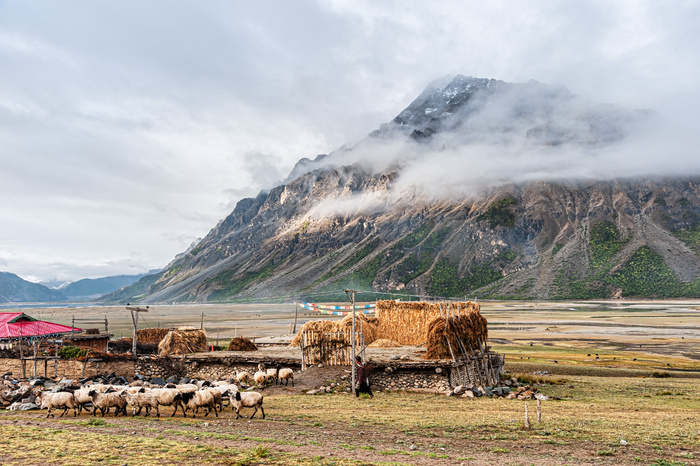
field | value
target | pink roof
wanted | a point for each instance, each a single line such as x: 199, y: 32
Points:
x: 18, y: 324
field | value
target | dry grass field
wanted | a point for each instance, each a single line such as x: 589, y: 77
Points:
x: 655, y: 418
x: 623, y: 381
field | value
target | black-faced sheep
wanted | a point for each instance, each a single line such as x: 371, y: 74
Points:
x: 105, y: 401
x: 169, y: 397
x: 65, y: 400
x: 247, y: 400
x: 199, y: 399
x: 286, y: 374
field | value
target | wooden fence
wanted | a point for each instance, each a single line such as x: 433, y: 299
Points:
x: 328, y: 348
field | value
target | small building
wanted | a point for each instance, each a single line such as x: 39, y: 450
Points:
x: 92, y: 340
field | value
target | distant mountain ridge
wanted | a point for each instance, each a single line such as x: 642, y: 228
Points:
x: 441, y: 202
x: 14, y: 289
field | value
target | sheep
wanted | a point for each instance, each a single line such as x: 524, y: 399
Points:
x: 82, y: 398
x: 104, y: 401
x: 199, y: 399
x: 286, y: 374
x: 63, y: 400
x: 247, y: 400
x: 218, y: 394
x: 272, y: 375
x: 260, y: 378
x: 226, y: 389
x: 187, y: 387
x: 169, y: 397
x: 243, y: 377
x: 142, y: 400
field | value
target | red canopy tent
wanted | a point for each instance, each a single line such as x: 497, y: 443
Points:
x: 15, y: 325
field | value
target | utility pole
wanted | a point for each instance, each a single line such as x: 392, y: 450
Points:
x: 354, y: 351
x: 135, y: 319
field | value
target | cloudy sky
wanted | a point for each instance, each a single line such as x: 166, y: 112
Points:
x: 129, y: 128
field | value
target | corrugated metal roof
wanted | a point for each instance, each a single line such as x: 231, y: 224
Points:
x: 11, y: 326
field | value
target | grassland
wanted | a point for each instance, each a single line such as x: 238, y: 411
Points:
x: 617, y: 371
x: 584, y: 422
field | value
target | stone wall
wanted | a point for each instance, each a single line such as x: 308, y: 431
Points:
x: 215, y: 370
x: 66, y: 368
x: 410, y: 380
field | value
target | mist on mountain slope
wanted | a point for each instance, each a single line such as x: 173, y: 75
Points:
x: 505, y: 134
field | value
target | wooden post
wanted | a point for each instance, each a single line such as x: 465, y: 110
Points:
x: 296, y: 314
x: 354, y: 368
x: 135, y: 319
x: 87, y: 354
x: 303, y: 350
x: 34, y: 357
x: 527, y: 418
x: 539, y: 411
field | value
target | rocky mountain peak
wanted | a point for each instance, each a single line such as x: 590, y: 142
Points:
x: 403, y: 211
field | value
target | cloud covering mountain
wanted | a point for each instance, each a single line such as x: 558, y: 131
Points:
x: 128, y: 128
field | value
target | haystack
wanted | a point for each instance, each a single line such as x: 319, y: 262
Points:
x: 384, y: 343
x: 465, y: 332
x: 151, y: 335
x: 407, y: 322
x: 184, y: 340
x: 367, y: 326
x: 241, y: 344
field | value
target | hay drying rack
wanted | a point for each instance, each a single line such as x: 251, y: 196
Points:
x: 329, y: 348
x: 470, y: 366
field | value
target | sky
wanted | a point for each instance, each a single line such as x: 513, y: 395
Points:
x: 128, y: 129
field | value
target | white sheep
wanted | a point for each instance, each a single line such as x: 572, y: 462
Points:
x: 286, y: 374
x: 142, y: 400
x: 187, y: 387
x: 260, y: 378
x: 247, y: 400
x: 105, y: 401
x: 199, y: 399
x: 226, y: 389
x: 218, y: 395
x: 272, y: 375
x: 169, y: 397
x: 63, y: 400
x: 243, y: 377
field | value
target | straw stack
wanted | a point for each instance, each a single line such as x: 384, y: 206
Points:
x: 405, y: 322
x: 241, y: 344
x: 367, y: 326
x: 408, y: 322
x: 384, y: 343
x: 325, y: 326
x: 460, y: 332
x: 151, y: 335
x: 184, y: 340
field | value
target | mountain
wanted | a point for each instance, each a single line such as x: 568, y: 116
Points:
x: 88, y: 289
x: 14, y: 289
x: 478, y: 188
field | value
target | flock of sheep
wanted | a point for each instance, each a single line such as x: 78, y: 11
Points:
x: 191, y: 396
